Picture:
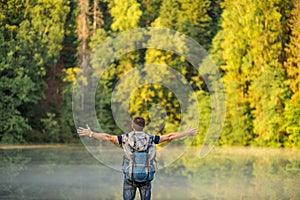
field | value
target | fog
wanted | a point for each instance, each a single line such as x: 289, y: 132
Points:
x: 226, y: 173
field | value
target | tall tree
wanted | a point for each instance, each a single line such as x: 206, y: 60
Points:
x: 194, y: 20
x: 267, y: 88
x: 69, y: 58
x: 292, y: 110
x: 42, y: 32
x: 190, y: 18
x: 251, y: 50
x: 231, y: 47
x: 125, y: 15
x: 33, y: 43
x: 97, y: 17
x: 13, y: 122
x: 150, y: 12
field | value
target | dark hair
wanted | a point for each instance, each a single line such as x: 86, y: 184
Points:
x: 138, y: 123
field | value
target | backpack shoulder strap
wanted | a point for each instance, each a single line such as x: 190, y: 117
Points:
x: 151, y: 140
x: 125, y: 143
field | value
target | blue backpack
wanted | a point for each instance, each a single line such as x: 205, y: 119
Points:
x: 139, y: 156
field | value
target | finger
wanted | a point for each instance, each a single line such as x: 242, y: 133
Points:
x: 83, y: 130
x: 82, y: 135
x: 79, y: 131
x: 191, y: 129
x: 195, y: 130
x: 88, y: 127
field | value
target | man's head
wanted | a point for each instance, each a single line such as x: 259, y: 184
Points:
x: 138, y: 123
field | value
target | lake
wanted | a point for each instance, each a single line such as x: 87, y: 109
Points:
x: 71, y: 172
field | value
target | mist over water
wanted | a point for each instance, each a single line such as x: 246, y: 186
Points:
x: 226, y: 173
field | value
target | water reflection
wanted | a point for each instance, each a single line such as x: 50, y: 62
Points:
x: 227, y: 173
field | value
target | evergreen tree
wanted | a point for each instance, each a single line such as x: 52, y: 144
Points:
x: 150, y: 12
x: 32, y: 34
x: 69, y: 60
x: 45, y: 48
x: 292, y: 109
x: 194, y: 20
x: 267, y: 88
x: 230, y: 48
x: 126, y: 14
x: 251, y: 49
x: 41, y: 35
x: 16, y: 87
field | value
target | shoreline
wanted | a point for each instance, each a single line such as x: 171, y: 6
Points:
x: 72, y: 145
x: 38, y: 146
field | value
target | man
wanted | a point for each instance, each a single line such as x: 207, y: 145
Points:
x: 139, y: 155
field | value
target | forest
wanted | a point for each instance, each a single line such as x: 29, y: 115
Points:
x: 255, y: 45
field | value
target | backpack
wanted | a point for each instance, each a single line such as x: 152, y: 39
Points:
x: 139, y: 156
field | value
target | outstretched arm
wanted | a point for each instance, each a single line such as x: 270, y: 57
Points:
x: 172, y: 136
x: 99, y: 136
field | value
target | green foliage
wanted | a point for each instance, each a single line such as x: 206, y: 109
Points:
x: 16, y: 86
x: 193, y: 19
x: 249, y: 50
x: 254, y: 43
x: 292, y: 124
x: 126, y: 14
x: 230, y: 47
x: 267, y: 89
x: 190, y: 18
x: 292, y: 111
x: 30, y: 43
x: 150, y: 11
x: 51, y: 128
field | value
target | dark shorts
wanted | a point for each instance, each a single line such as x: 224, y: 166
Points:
x: 129, y: 190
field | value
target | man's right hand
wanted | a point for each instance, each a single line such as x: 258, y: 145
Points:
x: 84, y: 131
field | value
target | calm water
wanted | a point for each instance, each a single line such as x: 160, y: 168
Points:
x: 226, y: 173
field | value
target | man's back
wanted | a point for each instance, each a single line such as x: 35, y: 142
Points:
x: 139, y: 156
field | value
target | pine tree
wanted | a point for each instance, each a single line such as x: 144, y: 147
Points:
x: 70, y: 66
x: 251, y: 50
x: 13, y: 122
x: 267, y: 88
x: 292, y: 111
x: 126, y: 14
x: 194, y: 20
x: 150, y: 12
x: 231, y: 45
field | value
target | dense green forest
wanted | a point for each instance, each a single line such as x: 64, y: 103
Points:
x: 254, y: 43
